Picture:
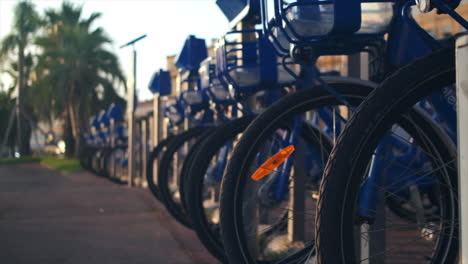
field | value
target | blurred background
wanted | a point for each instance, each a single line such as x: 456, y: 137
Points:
x: 166, y: 23
x: 61, y: 61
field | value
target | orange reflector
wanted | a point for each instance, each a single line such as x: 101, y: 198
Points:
x: 272, y: 163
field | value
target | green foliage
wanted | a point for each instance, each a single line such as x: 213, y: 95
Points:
x: 72, y: 74
x: 75, y: 67
x: 7, y: 102
x: 62, y: 164
x: 25, y: 159
x: 77, y: 63
x: 14, y: 46
x: 26, y: 22
x: 53, y: 162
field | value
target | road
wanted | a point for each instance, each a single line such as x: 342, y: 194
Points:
x: 51, y: 217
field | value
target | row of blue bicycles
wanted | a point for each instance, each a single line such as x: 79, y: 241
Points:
x: 271, y: 160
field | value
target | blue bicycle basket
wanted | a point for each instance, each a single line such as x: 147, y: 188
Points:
x: 240, y: 10
x: 115, y: 113
x: 174, y: 113
x: 161, y: 83
x: 250, y: 65
x: 94, y: 123
x: 103, y: 119
x: 210, y: 83
x: 193, y: 52
x: 193, y: 101
x: 304, y: 22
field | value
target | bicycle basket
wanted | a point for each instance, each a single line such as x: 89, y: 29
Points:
x: 214, y: 88
x: 193, y: 52
x: 161, y: 83
x: 248, y: 65
x: 103, y: 119
x: 193, y: 100
x: 174, y: 113
x: 240, y: 10
x: 115, y: 113
x: 304, y: 22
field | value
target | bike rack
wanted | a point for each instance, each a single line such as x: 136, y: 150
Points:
x: 161, y: 86
x: 462, y: 124
x: 145, y: 146
x: 116, y: 117
x: 141, y: 152
x: 115, y: 114
x: 188, y: 62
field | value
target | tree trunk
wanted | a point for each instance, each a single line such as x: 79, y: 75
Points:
x: 26, y: 134
x: 68, y: 136
x: 74, y: 120
x: 22, y: 125
x: 19, y: 102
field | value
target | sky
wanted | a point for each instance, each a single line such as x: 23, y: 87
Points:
x: 166, y: 22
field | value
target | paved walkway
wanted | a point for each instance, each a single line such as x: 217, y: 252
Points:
x: 48, y: 217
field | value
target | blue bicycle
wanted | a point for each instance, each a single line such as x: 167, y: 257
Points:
x: 398, y: 181
x: 191, y: 118
x: 305, y: 30
x: 256, y: 78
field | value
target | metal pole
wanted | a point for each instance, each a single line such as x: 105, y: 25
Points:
x: 252, y: 100
x: 111, y: 165
x: 372, y: 245
x: 354, y: 70
x: 144, y: 150
x: 137, y: 154
x: 296, y: 219
x: 156, y: 128
x: 131, y: 122
x: 130, y: 110
x: 156, y: 119
x: 358, y: 67
x: 462, y: 125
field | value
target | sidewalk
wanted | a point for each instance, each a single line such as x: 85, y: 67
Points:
x: 50, y: 217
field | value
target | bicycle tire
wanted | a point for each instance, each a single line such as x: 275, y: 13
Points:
x: 157, y: 151
x: 109, y: 154
x: 176, y: 210
x: 185, y: 173
x: 195, y: 173
x: 390, y: 103
x: 354, y: 90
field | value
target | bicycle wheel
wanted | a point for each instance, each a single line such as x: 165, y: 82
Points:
x: 153, y: 158
x: 112, y: 159
x: 425, y: 180
x: 84, y: 157
x: 103, y: 162
x: 100, y: 161
x: 89, y: 158
x: 95, y: 160
x: 185, y: 173
x: 201, y: 177
x: 285, y: 234
x: 169, y: 172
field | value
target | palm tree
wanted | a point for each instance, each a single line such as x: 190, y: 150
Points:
x: 7, y: 103
x: 79, y: 69
x: 26, y: 23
